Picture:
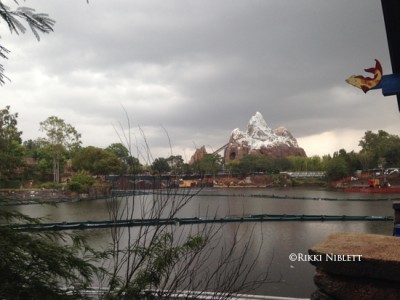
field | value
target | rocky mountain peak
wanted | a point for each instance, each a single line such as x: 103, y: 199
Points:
x: 259, y: 138
x: 258, y: 129
x: 283, y: 132
x: 260, y: 135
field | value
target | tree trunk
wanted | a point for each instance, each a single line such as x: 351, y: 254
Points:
x: 56, y: 168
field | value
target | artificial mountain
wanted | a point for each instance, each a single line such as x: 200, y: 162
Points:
x: 260, y: 139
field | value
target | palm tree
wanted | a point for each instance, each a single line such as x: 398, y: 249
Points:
x: 14, y: 18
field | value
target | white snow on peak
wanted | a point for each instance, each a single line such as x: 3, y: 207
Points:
x: 258, y: 120
x: 259, y: 135
x: 258, y: 129
x: 282, y: 131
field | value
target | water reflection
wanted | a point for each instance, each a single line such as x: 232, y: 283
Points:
x: 276, y: 239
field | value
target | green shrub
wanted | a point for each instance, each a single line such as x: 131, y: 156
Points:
x: 51, y: 185
x: 10, y: 184
x: 38, y: 265
x: 81, y: 182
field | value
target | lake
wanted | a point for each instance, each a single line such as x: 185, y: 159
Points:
x: 274, y: 241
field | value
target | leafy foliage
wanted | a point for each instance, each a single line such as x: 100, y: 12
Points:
x: 41, y: 152
x: 251, y: 164
x: 81, y: 182
x: 176, y: 163
x: 10, y: 143
x: 119, y: 150
x: 61, y: 137
x: 97, y: 161
x: 160, y: 166
x: 14, y: 18
x: 130, y: 164
x: 60, y: 134
x: 209, y: 164
x: 159, y: 259
x: 336, y: 168
x: 382, y: 148
x: 40, y: 265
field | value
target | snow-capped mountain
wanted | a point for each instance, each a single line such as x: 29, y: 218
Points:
x: 259, y: 138
x: 260, y: 135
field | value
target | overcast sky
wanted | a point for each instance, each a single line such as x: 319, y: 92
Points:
x: 189, y: 72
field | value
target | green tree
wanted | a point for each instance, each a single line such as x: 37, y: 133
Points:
x: 336, y: 168
x: 187, y: 169
x: 351, y: 158
x: 31, y: 148
x: 300, y: 163
x: 10, y: 144
x: 96, y: 161
x: 233, y: 167
x: 373, y: 141
x: 280, y: 164
x: 209, y: 164
x: 256, y: 164
x: 81, y: 182
x: 381, y: 146
x: 316, y: 163
x: 40, y: 151
x: 392, y: 155
x: 262, y: 164
x: 176, y: 163
x: 61, y: 137
x: 14, y: 18
x: 120, y: 151
x: 130, y: 164
x: 247, y: 165
x: 160, y: 166
x: 134, y: 165
x: 365, y: 159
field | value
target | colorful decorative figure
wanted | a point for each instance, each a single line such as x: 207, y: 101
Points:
x: 390, y: 84
x: 367, y: 83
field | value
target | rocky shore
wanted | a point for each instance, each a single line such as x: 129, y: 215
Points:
x: 42, y: 194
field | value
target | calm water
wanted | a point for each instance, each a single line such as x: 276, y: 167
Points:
x: 276, y: 239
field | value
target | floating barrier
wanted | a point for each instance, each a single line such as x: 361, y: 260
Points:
x: 321, y: 198
x: 19, y: 202
x: 135, y: 193
x: 267, y: 196
x: 380, y: 190
x: 95, y: 292
x: 192, y: 220
x: 124, y: 193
